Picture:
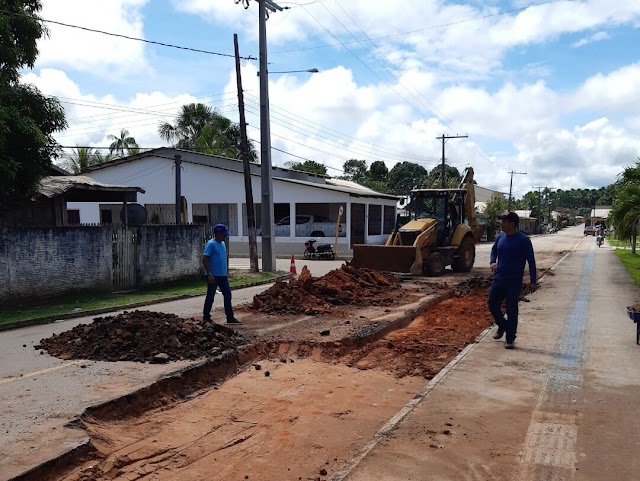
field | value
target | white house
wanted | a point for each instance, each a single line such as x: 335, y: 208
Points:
x: 212, y: 190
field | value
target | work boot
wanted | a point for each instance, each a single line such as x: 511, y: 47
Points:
x: 234, y: 321
x: 499, y: 333
x: 509, y: 344
x: 207, y: 320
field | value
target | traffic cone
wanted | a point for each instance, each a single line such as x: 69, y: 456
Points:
x: 292, y: 269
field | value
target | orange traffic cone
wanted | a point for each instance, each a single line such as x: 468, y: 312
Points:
x: 292, y: 269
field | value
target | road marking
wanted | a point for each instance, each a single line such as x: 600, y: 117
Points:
x: 42, y: 371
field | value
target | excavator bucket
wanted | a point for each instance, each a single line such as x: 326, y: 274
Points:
x: 407, y: 259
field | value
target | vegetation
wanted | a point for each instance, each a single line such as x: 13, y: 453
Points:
x: 495, y: 207
x: 122, y: 145
x: 631, y: 263
x: 28, y: 119
x: 94, y: 301
x: 83, y: 157
x: 202, y: 128
x: 308, y: 166
x: 625, y: 212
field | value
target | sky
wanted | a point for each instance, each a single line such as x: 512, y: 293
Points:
x: 547, y: 90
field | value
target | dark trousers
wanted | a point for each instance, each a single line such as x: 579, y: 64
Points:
x: 223, y: 283
x: 509, y: 291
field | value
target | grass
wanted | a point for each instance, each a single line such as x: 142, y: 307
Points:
x: 631, y: 262
x: 89, y: 301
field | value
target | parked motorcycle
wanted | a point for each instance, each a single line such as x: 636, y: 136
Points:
x: 321, y: 251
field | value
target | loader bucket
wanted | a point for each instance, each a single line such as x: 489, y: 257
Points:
x: 405, y: 259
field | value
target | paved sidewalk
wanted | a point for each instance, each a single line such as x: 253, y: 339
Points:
x: 562, y: 406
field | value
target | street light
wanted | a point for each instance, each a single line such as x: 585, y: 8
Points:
x: 310, y: 70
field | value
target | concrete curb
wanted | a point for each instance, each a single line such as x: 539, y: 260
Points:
x: 8, y: 326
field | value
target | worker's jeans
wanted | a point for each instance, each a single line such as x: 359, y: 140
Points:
x: 502, y: 290
x: 223, y: 283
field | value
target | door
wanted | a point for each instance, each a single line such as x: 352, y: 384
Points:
x: 357, y: 223
x: 125, y: 259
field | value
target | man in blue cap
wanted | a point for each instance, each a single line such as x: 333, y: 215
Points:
x: 509, y: 253
x: 214, y: 261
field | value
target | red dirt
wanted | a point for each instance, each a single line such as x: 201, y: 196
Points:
x: 431, y: 341
x: 346, y: 286
x: 141, y: 336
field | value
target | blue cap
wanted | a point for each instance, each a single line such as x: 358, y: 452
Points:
x: 221, y: 228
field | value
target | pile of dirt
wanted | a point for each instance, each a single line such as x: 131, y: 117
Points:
x: 475, y: 285
x: 142, y: 336
x: 347, y: 286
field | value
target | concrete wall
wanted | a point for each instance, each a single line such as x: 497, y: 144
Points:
x: 38, y: 262
x: 167, y: 252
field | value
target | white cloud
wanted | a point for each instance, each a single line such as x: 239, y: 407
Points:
x: 94, y: 52
x: 615, y: 90
x: 92, y: 118
x: 596, y: 37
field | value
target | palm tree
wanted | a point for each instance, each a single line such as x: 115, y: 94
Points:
x: 83, y: 157
x: 121, y: 144
x: 625, y: 212
x: 202, y: 128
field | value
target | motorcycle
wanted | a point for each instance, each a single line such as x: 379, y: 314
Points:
x: 321, y: 251
x: 599, y: 240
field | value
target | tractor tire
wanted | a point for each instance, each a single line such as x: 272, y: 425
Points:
x: 466, y: 256
x: 434, y: 264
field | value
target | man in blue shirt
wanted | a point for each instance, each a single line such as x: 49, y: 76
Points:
x: 508, y: 255
x: 214, y: 261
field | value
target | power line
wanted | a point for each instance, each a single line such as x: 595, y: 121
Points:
x: 126, y: 37
x: 431, y: 27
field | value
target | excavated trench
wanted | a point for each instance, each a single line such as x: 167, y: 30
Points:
x: 262, y: 409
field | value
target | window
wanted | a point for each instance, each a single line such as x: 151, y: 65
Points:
x: 73, y: 217
x: 200, y: 219
x: 284, y: 221
x: 303, y: 219
x: 375, y: 220
x: 106, y: 216
x: 389, y: 219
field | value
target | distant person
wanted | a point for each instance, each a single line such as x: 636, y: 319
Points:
x: 214, y: 261
x: 509, y: 252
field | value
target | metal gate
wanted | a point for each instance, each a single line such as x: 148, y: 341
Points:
x: 125, y: 259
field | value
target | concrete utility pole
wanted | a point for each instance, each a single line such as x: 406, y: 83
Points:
x: 443, y: 173
x: 266, y: 223
x: 244, y: 148
x: 178, y: 160
x: 511, y: 187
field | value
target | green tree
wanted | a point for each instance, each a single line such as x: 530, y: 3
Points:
x: 355, y: 170
x: 404, y: 176
x: 434, y: 179
x: 82, y: 158
x: 121, y: 144
x: 378, y: 171
x: 625, y: 212
x: 28, y: 119
x: 308, y: 166
x: 495, y: 208
x: 202, y: 128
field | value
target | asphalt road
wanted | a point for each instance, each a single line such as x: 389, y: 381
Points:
x: 39, y: 393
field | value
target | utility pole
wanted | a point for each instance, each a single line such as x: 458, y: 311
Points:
x: 266, y: 223
x: 539, y: 225
x: 244, y: 152
x: 511, y: 187
x: 443, y: 138
x: 178, y: 161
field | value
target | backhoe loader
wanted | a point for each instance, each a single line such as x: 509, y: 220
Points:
x: 442, y: 232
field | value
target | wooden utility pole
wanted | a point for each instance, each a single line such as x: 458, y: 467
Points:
x: 443, y: 176
x: 511, y: 187
x: 539, y: 223
x: 244, y: 154
x: 178, y: 166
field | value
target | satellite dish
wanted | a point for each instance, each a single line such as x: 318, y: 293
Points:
x: 137, y: 214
